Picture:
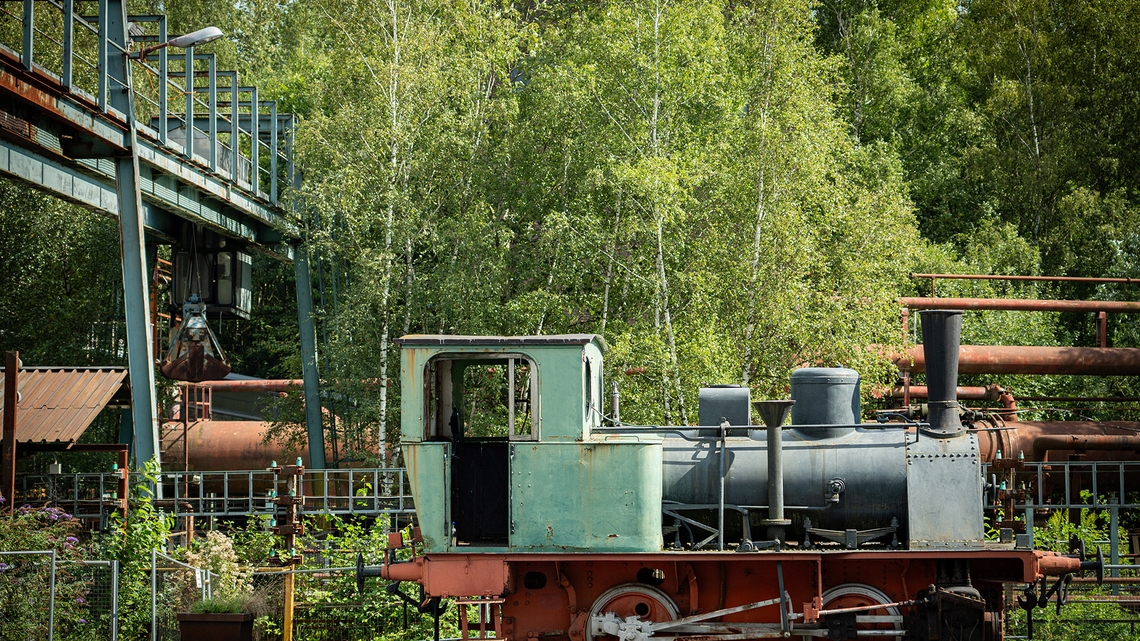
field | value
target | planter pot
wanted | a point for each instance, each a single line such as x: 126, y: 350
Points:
x: 215, y: 627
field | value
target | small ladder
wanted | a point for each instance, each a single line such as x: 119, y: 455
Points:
x: 486, y: 626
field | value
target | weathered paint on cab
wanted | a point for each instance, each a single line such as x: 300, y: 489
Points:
x: 569, y: 491
x: 586, y: 497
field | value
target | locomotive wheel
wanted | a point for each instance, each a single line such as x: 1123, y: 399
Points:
x: 854, y: 595
x: 633, y: 599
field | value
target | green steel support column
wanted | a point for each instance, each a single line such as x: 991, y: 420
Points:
x: 273, y: 152
x: 68, y: 42
x: 255, y: 143
x: 132, y: 244
x: 189, y: 89
x: 163, y: 83
x: 309, y: 357
x: 27, y: 56
x: 213, y: 112
x: 101, y: 55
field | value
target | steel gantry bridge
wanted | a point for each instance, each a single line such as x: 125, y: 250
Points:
x: 97, y: 110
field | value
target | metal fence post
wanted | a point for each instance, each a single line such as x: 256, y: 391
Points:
x: 114, y: 600
x: 51, y: 599
x: 1114, y: 543
x: 287, y: 616
x: 153, y: 594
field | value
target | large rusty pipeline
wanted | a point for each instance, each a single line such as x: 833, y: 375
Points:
x: 1020, y: 304
x: 994, y: 359
x: 977, y: 393
x: 235, y: 445
x: 1059, y: 440
x: 254, y: 385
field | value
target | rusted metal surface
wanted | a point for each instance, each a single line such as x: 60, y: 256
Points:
x: 231, y: 445
x: 254, y: 385
x: 1051, y: 279
x: 57, y: 404
x: 556, y: 594
x: 1021, y: 305
x: 1021, y: 441
x: 996, y: 359
x: 1053, y: 564
x: 979, y: 393
x: 1082, y: 442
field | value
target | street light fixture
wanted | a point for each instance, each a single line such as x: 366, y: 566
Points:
x: 192, y: 39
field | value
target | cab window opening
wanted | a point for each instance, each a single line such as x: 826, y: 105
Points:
x: 484, y: 398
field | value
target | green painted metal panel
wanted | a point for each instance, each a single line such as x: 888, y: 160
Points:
x: 600, y: 496
x: 560, y: 391
x: 430, y: 477
x: 412, y: 364
x: 560, y: 369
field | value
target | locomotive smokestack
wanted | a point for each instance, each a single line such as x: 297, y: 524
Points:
x: 941, y: 335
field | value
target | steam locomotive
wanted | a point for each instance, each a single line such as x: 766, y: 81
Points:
x: 546, y: 520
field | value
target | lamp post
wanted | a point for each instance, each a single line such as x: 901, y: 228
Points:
x: 132, y: 239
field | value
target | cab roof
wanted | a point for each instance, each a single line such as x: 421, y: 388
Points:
x: 434, y: 340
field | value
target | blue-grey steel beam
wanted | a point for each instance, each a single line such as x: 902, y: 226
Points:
x: 254, y: 144
x: 101, y: 55
x: 29, y: 34
x: 132, y: 244
x: 309, y: 372
x: 273, y: 151
x: 188, y: 89
x: 213, y: 113
x: 68, y: 42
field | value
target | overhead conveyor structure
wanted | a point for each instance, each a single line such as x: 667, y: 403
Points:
x: 110, y: 112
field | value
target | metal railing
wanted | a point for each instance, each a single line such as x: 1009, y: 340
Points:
x: 85, y: 496
x: 183, y: 102
x: 364, y: 491
x: 1027, y: 491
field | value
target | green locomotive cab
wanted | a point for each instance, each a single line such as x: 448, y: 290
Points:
x: 497, y: 435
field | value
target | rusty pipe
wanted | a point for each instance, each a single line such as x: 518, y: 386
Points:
x: 1044, y: 444
x: 254, y: 385
x: 1051, y: 279
x: 235, y: 445
x: 1020, y: 304
x: 987, y: 393
x: 1022, y: 439
x: 997, y: 359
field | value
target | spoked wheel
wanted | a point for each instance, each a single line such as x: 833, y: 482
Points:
x: 855, y: 595
x: 632, y: 599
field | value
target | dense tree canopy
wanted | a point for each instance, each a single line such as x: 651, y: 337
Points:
x: 724, y: 190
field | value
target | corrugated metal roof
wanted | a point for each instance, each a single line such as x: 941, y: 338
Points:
x: 58, y: 403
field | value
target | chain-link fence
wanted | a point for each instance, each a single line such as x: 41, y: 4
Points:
x: 44, y: 597
x: 92, y: 611
x: 174, y: 587
x: 27, y: 612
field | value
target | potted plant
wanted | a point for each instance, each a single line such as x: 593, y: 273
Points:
x: 221, y: 618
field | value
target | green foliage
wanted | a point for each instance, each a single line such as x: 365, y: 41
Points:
x: 340, y: 539
x: 724, y: 190
x: 225, y: 604
x: 130, y: 541
x: 23, y: 600
x: 1077, y: 621
x: 60, y: 303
